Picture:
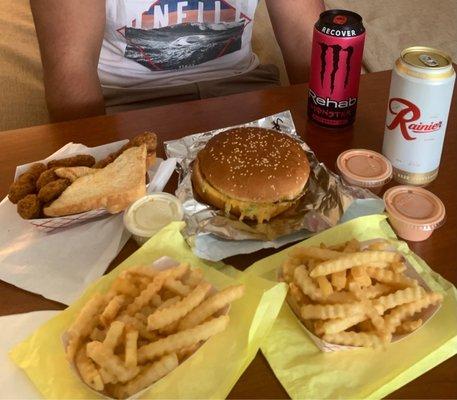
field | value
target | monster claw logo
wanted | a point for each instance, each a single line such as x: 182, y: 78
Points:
x: 324, y: 48
x: 349, y: 50
x: 336, y: 51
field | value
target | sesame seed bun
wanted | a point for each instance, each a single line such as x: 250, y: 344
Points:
x: 253, y: 173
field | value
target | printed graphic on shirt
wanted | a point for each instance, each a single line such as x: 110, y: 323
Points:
x: 180, y: 34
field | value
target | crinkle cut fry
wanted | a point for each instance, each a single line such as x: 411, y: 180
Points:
x: 364, y: 339
x: 372, y: 313
x: 386, y: 276
x: 409, y: 326
x: 339, y: 280
x: 325, y: 286
x: 111, y: 309
x: 211, y: 305
x: 327, y: 311
x: 173, y: 343
x: 177, y: 287
x: 288, y: 267
x: 152, y: 373
x: 353, y: 260
x: 315, y: 252
x: 113, y: 335
x: 111, y: 362
x: 397, y: 315
x: 149, y: 272
x: 340, y: 324
x: 146, y: 295
x: 306, y: 284
x: 397, y: 298
x: 131, y: 348
x: 88, y: 370
x: 161, y: 318
x: 84, y: 323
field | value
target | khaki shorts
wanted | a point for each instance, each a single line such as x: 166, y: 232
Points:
x: 116, y: 100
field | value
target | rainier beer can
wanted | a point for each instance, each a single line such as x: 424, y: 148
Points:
x: 336, y: 61
x: 417, y: 112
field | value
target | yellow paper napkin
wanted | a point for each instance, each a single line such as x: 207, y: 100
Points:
x: 210, y: 373
x: 306, y: 372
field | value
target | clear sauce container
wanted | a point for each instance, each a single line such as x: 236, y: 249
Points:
x: 364, y: 168
x: 148, y: 215
x: 414, y: 212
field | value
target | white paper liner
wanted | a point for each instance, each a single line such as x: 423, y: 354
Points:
x: 162, y: 263
x: 410, y: 272
x: 71, y: 149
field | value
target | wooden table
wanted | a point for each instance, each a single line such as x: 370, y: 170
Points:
x: 174, y: 121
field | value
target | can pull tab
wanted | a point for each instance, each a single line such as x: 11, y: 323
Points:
x: 429, y: 61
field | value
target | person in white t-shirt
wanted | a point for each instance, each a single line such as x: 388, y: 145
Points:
x: 99, y: 53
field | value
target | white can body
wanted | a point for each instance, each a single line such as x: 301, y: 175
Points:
x: 417, y: 114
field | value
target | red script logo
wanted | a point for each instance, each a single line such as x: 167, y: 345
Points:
x: 409, y: 113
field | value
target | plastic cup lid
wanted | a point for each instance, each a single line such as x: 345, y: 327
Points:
x: 415, y: 206
x: 365, y: 167
x: 149, y: 214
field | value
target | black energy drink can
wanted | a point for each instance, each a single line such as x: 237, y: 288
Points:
x: 336, y: 62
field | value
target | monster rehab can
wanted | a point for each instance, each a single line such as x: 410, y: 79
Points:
x: 336, y: 61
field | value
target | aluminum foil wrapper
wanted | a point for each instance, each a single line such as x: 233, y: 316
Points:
x: 215, y: 235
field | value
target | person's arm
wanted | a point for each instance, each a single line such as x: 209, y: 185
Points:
x: 70, y: 35
x: 293, y: 22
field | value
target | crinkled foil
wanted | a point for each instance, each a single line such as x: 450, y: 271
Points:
x: 324, y: 201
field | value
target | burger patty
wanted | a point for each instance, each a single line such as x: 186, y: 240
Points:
x: 244, y: 209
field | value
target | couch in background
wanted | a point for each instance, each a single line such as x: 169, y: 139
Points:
x: 391, y: 26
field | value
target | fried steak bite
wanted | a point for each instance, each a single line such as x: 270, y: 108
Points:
x: 147, y: 138
x: 29, y: 207
x: 36, y: 170
x: 53, y: 190
x: 80, y: 160
x: 18, y: 190
x: 46, y: 177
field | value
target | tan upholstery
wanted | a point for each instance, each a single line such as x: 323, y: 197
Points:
x: 21, y: 84
x: 264, y: 43
x: 393, y: 25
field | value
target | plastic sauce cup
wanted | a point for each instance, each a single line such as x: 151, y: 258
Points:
x: 364, y: 168
x: 149, y: 214
x: 414, y: 212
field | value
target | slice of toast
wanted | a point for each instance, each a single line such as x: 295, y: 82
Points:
x: 114, y: 187
x: 73, y: 173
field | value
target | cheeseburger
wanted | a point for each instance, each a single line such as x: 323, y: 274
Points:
x: 252, y: 173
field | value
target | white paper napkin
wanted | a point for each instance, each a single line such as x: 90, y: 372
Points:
x: 60, y: 264
x: 14, y: 384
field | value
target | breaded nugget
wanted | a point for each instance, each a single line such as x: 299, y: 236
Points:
x: 20, y: 189
x: 36, y: 170
x: 29, y: 207
x: 26, y: 177
x: 53, y: 190
x: 147, y: 138
x: 46, y: 177
x: 81, y: 160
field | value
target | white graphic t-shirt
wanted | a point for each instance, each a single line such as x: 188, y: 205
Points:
x: 161, y: 43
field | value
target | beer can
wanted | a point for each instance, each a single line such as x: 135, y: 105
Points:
x: 417, y: 113
x: 336, y: 61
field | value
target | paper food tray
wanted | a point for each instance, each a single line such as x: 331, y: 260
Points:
x: 324, y: 346
x: 162, y: 263
x: 71, y: 149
